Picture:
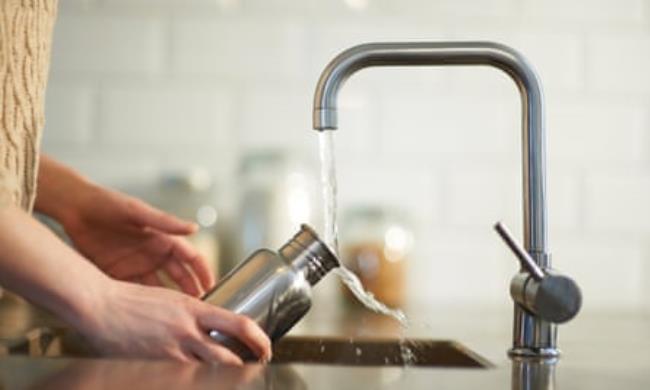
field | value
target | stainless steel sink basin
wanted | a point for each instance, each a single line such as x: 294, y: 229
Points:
x: 375, y: 352
x: 298, y: 350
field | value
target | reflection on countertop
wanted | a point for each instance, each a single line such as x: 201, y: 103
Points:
x: 77, y: 374
x: 600, y: 352
x: 43, y: 373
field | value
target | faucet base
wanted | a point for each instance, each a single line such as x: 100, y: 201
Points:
x: 526, y: 352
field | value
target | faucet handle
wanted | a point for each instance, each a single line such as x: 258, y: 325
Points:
x: 526, y: 261
x: 545, y: 293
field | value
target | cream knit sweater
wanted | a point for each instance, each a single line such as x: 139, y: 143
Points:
x: 25, y: 43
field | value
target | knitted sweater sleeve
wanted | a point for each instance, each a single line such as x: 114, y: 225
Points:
x: 25, y: 44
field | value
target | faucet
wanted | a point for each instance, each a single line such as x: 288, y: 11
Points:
x: 542, y: 297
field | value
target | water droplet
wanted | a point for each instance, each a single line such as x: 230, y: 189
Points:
x: 408, y: 357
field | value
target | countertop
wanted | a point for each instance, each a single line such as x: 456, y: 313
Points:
x: 600, y: 351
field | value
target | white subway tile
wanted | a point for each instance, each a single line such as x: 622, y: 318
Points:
x: 280, y: 8
x: 477, y: 198
x: 492, y: 9
x: 457, y: 127
x: 619, y: 63
x: 564, y: 202
x: 480, y: 197
x: 93, y: 44
x: 363, y: 10
x: 603, y: 12
x: 243, y: 48
x: 330, y: 39
x: 558, y: 58
x: 610, y: 272
x: 111, y: 167
x: 460, y: 269
x: 162, y: 6
x: 618, y: 202
x: 588, y: 133
x: 76, y: 5
x: 276, y: 118
x: 646, y: 279
x: 356, y: 136
x: 68, y: 116
x: 402, y: 186
x: 480, y: 82
x: 168, y: 117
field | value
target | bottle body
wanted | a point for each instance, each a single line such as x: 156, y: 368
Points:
x: 266, y: 289
x: 273, y: 289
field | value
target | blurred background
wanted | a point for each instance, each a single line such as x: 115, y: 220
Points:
x: 203, y: 107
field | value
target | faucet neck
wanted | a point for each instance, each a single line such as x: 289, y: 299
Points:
x: 455, y: 54
x: 531, y: 334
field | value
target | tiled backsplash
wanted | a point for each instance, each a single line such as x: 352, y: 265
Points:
x: 139, y: 87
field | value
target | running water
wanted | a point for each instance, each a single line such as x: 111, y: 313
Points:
x: 328, y: 181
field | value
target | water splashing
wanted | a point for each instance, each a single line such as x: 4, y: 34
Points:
x: 329, y: 185
x: 328, y: 181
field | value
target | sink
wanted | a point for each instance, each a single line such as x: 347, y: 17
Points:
x: 375, y: 352
x: 43, y: 336
x: 50, y: 342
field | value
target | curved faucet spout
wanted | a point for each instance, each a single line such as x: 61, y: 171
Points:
x: 529, y: 332
x: 425, y: 54
x: 458, y: 53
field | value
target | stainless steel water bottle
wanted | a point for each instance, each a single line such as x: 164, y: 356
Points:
x: 274, y: 289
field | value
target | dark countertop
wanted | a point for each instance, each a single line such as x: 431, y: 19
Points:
x: 108, y: 374
x: 600, y: 351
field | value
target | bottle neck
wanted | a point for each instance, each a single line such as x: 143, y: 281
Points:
x: 309, y: 255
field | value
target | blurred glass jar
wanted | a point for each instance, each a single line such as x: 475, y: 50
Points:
x: 191, y: 195
x: 376, y: 244
x: 278, y: 194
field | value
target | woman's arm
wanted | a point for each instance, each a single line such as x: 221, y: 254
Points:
x: 117, y: 317
x: 37, y: 265
x: 58, y: 189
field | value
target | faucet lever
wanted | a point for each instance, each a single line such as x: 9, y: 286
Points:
x: 526, y: 261
x: 545, y: 293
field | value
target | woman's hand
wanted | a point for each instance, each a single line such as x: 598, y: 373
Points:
x: 130, y: 240
x: 153, y: 322
x: 125, y: 237
x: 119, y: 318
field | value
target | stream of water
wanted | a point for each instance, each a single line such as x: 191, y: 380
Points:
x: 329, y: 185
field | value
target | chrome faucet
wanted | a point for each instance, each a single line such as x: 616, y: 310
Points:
x: 538, y: 293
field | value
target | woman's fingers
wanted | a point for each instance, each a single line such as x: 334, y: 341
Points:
x: 184, y: 252
x: 163, y: 248
x: 208, y: 350
x: 183, y: 277
x: 180, y: 357
x: 131, y: 268
x: 144, y: 215
x: 242, y: 327
x: 152, y: 279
